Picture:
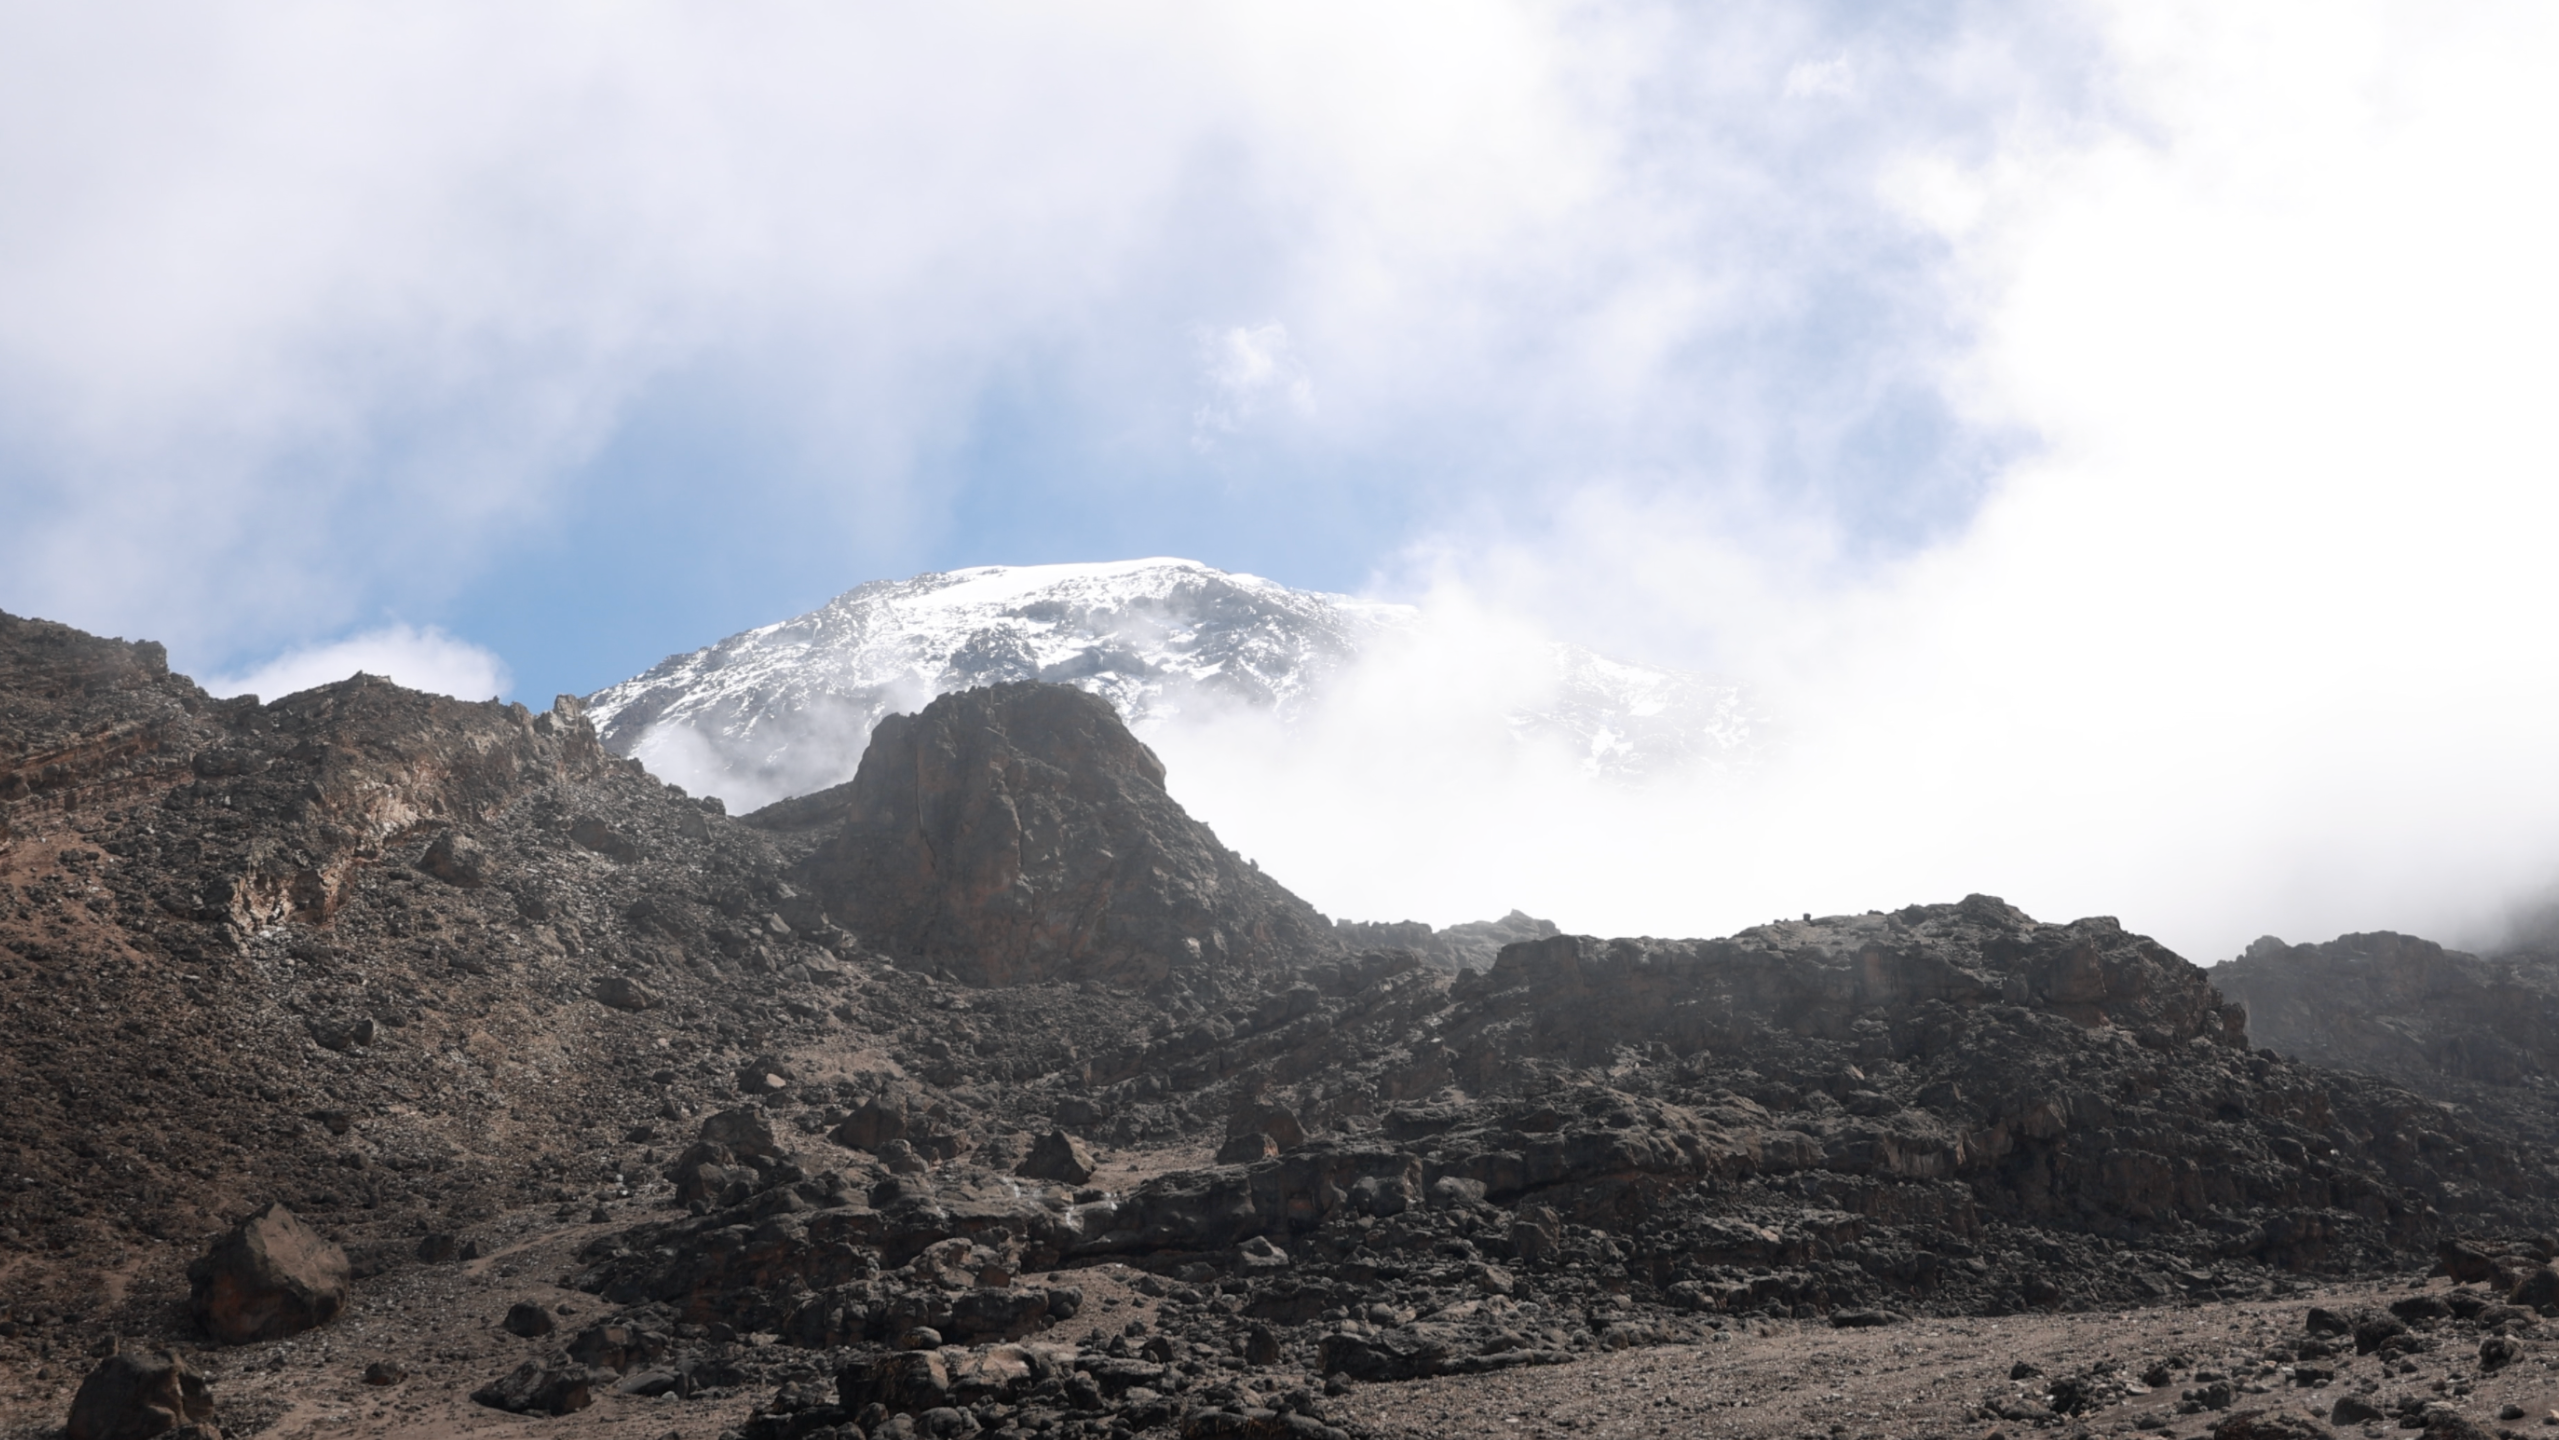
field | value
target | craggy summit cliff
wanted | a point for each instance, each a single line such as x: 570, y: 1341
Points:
x: 1020, y: 833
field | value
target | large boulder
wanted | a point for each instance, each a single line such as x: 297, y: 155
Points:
x: 137, y: 1394
x: 1057, y: 1156
x: 534, y: 1388
x: 1019, y: 833
x: 458, y: 860
x: 272, y: 1276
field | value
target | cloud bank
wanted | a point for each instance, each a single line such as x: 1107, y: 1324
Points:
x: 2259, y: 636
x: 308, y: 318
x: 422, y: 659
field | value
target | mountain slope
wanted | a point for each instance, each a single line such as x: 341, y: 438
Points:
x: 786, y: 709
x: 535, y: 1035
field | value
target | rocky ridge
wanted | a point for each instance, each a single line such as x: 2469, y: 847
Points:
x: 1597, y: 1145
x: 455, y: 983
x: 1471, y: 945
x: 2479, y: 1033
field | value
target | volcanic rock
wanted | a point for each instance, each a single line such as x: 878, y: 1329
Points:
x: 457, y: 859
x: 624, y: 993
x: 602, y: 838
x: 270, y: 1277
x: 1472, y: 945
x: 902, y: 1380
x: 2268, y: 1425
x: 1057, y: 1156
x: 137, y: 1394
x: 763, y: 1075
x: 534, y: 1388
x: 2480, y: 1032
x: 1019, y: 833
x: 2537, y: 1288
x: 1246, y: 1148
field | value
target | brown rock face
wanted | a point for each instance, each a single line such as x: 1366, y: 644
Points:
x: 1019, y: 834
x: 137, y: 1394
x: 1057, y: 1156
x: 272, y: 1276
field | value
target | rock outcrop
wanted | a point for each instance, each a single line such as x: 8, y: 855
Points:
x: 139, y: 1394
x: 1019, y: 833
x: 534, y: 1388
x: 1468, y: 946
x: 2480, y: 1033
x: 324, y: 938
x: 1603, y: 1144
x: 2402, y: 1007
x: 272, y: 1276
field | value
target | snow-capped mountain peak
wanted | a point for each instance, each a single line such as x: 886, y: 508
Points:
x: 786, y: 708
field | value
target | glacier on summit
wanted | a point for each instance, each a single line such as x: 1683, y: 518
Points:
x: 787, y: 708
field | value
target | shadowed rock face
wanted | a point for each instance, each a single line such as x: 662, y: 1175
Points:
x: 2403, y: 1007
x: 1019, y: 834
x: 2478, y: 1032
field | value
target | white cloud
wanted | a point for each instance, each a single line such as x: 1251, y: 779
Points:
x: 303, y: 312
x: 2258, y: 639
x: 1815, y: 78
x: 1246, y: 369
x: 422, y: 659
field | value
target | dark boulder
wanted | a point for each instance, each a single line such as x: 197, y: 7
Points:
x: 2374, y: 1331
x: 137, y: 1394
x: 621, y: 992
x: 742, y: 1132
x: 618, y: 1347
x: 534, y: 1388
x: 764, y: 1075
x: 1248, y: 1148
x: 903, y: 1381
x: 457, y: 859
x: 270, y: 1277
x: 594, y: 834
x: 1057, y: 1156
x: 2269, y: 1425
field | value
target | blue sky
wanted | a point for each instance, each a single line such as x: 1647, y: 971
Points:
x: 2113, y: 433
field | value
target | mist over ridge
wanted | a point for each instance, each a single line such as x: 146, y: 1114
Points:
x: 1174, y: 645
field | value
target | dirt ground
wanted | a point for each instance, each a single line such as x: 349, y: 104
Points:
x: 1927, y: 1378
x: 1919, y: 1378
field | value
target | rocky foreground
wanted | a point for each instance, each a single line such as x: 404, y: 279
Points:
x: 990, y: 1093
